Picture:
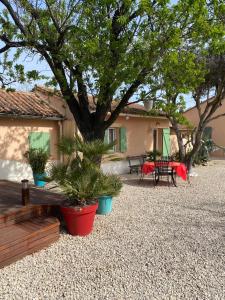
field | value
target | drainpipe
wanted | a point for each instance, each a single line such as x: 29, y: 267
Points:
x: 60, y: 136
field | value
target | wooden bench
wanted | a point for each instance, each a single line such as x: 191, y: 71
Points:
x: 135, y: 162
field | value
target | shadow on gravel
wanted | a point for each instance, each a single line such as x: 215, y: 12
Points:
x: 216, y: 209
x: 146, y: 183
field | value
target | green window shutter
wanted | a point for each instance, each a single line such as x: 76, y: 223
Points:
x: 106, y: 137
x: 123, y: 139
x: 207, y: 134
x: 39, y: 140
x: 166, y: 141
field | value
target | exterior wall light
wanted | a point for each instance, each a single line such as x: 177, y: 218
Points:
x: 148, y: 103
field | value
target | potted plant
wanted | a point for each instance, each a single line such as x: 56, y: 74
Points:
x: 153, y: 155
x: 111, y: 186
x: 80, y: 185
x: 82, y: 181
x: 37, y: 158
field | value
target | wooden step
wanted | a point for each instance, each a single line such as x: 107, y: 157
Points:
x: 23, y: 213
x: 24, y: 238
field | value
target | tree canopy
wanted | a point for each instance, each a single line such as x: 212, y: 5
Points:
x: 110, y: 49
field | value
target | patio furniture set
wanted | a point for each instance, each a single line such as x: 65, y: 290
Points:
x: 159, y: 169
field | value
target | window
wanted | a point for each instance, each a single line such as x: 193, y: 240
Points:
x: 207, y: 133
x: 118, y: 135
x: 39, y: 140
x: 110, y: 137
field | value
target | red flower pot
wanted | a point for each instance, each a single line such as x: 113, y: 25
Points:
x: 79, y: 220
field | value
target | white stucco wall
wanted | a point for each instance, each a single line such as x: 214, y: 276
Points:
x: 16, y: 170
x: 116, y: 167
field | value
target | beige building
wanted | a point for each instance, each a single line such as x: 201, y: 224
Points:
x: 215, y: 129
x: 40, y: 117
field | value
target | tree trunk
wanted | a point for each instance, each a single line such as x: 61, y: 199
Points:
x: 179, y: 140
x: 93, y: 135
x: 196, y: 146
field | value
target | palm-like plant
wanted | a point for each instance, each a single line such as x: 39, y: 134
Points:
x: 80, y: 177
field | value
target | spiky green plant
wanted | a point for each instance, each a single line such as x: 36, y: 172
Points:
x: 82, y: 180
x: 37, y: 158
x: 110, y: 185
x: 81, y: 186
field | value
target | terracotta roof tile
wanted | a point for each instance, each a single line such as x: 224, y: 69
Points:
x: 133, y: 109
x: 25, y: 104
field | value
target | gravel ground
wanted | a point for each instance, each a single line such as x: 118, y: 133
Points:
x: 159, y: 243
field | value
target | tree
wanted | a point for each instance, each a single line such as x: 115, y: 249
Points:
x: 198, y: 68
x: 213, y: 90
x: 178, y: 75
x: 107, y: 48
x: 205, y: 78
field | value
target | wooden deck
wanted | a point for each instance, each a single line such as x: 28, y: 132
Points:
x: 26, y: 229
x: 10, y: 197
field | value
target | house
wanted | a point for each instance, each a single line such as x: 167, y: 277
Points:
x: 134, y: 131
x: 39, y: 118
x: 215, y: 130
x: 26, y: 120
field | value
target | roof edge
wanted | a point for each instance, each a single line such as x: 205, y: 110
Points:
x: 5, y: 115
x: 209, y: 99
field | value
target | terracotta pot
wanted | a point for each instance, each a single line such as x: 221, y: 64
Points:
x: 79, y: 220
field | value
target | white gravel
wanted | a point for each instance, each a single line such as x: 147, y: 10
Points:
x: 159, y: 243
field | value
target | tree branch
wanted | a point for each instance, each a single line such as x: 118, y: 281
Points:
x: 53, y: 18
x: 130, y: 103
x: 4, y: 49
x: 216, y: 117
x: 129, y: 93
x: 14, y: 16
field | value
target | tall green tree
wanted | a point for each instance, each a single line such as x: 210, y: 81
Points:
x: 204, y: 78
x: 197, y: 68
x: 107, y: 48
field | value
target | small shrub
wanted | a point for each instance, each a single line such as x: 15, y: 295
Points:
x: 153, y: 155
x: 37, y: 158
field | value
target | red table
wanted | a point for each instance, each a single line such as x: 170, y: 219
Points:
x: 179, y: 168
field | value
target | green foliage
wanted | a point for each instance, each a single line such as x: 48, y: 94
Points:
x: 94, y: 149
x: 80, y: 178
x: 110, y: 185
x: 67, y: 146
x: 153, y: 155
x: 110, y: 41
x: 113, y: 50
x: 202, y: 155
x: 37, y: 158
x: 175, y: 157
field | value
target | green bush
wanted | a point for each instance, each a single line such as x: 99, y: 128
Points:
x: 153, y: 155
x: 37, y: 158
x: 204, y: 151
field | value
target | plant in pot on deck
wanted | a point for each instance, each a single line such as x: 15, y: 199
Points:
x: 82, y: 181
x: 37, y: 158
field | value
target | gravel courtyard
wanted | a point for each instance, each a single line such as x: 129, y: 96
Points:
x: 159, y: 243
